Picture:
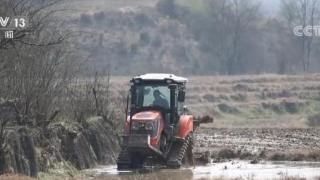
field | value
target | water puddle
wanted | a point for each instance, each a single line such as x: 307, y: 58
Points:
x: 226, y: 170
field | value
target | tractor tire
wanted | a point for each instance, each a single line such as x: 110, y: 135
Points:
x: 178, y: 152
x: 189, y: 159
x: 124, y: 160
x: 128, y: 161
x: 137, y: 161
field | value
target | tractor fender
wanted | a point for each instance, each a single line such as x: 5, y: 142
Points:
x: 185, y: 126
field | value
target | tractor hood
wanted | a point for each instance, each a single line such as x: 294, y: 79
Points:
x: 147, y: 115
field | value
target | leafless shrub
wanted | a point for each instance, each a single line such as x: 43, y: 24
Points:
x: 40, y: 16
x: 92, y: 97
x: 37, y: 64
x: 37, y: 77
x: 7, y: 113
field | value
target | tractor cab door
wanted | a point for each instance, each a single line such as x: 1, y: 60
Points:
x: 180, y: 102
x: 177, y: 102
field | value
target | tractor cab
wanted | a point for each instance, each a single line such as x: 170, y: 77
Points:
x: 158, y: 92
x: 156, y: 124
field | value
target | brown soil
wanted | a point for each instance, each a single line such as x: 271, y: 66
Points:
x: 257, y: 144
x: 255, y: 101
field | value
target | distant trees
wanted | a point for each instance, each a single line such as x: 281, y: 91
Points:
x: 40, y: 17
x: 167, y: 7
x: 37, y: 64
x: 306, y: 14
x: 233, y: 22
x: 219, y: 37
x: 238, y: 38
x: 229, y: 31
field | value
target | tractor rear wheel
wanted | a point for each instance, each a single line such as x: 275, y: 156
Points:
x: 137, y: 161
x: 179, y: 151
x: 124, y: 161
x: 128, y: 160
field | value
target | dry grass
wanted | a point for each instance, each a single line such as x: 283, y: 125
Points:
x: 15, y: 177
x: 285, y: 101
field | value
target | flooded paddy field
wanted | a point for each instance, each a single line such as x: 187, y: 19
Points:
x: 239, y: 154
x: 225, y: 170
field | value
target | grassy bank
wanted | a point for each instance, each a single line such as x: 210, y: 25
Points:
x: 286, y: 101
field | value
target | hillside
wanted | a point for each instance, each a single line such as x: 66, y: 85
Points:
x: 185, y: 37
x: 102, y: 5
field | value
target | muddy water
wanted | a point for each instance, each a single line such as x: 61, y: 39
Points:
x: 226, y: 170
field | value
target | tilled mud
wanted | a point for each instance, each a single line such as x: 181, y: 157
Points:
x: 217, y: 153
x: 256, y: 144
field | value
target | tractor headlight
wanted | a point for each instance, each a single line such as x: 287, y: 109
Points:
x: 149, y: 126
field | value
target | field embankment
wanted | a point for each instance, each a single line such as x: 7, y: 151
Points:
x: 256, y: 101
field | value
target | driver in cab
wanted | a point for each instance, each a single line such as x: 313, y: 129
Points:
x: 159, y: 100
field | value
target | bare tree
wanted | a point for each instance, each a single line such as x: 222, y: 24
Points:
x: 38, y: 63
x: 91, y: 96
x: 302, y: 13
x: 39, y: 15
x: 232, y: 20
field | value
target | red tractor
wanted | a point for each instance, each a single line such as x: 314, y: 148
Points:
x: 157, y: 128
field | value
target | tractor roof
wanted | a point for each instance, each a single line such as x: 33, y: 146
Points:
x: 161, y: 77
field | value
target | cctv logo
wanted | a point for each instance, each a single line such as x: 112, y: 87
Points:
x: 4, y: 21
x: 13, y: 23
x: 308, y: 31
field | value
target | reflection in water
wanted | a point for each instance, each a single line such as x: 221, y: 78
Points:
x: 164, y: 174
x: 226, y: 170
